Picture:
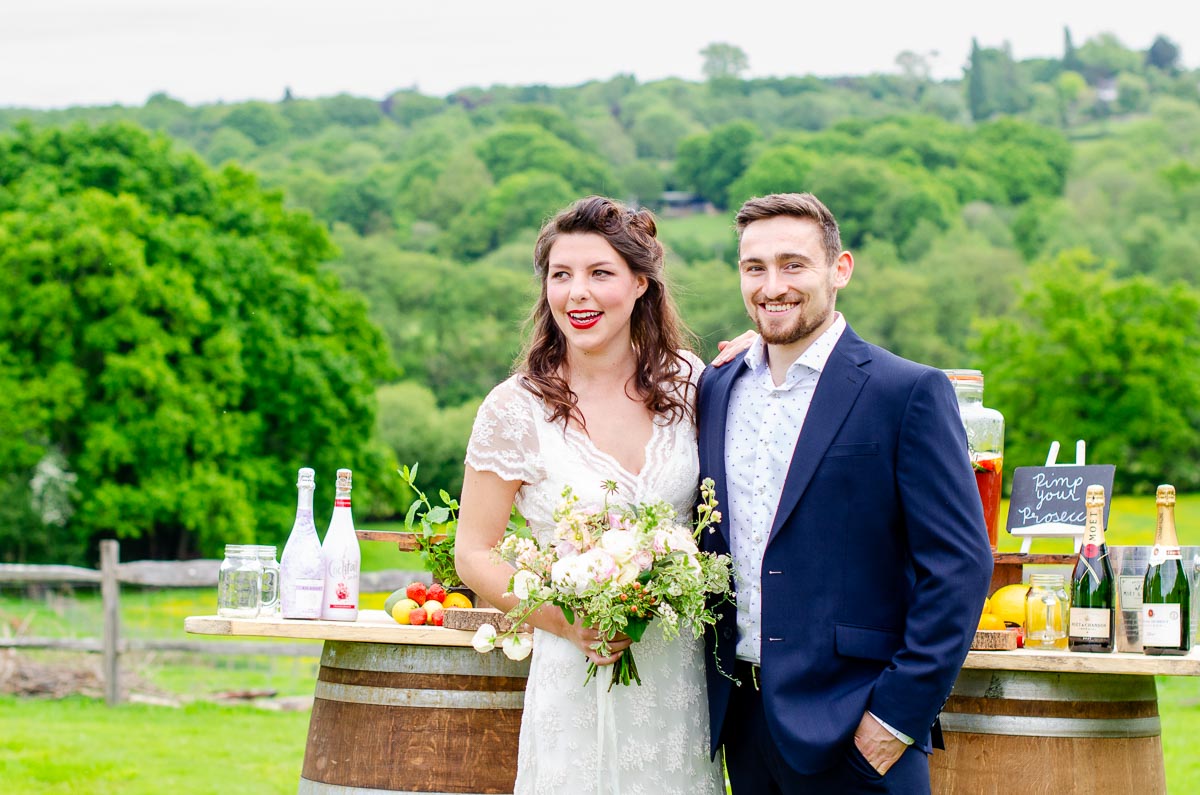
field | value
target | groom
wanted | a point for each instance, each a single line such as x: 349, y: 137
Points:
x: 860, y: 557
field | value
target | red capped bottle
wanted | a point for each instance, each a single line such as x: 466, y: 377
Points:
x: 341, y: 557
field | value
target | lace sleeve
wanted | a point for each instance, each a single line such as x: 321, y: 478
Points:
x: 504, y: 438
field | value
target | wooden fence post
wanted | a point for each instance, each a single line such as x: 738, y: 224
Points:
x: 110, y: 595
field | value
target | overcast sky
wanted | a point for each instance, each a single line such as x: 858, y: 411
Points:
x: 55, y: 53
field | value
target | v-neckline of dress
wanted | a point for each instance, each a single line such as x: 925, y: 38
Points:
x: 610, y: 458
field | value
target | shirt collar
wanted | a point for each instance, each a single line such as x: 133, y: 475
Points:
x: 815, y: 356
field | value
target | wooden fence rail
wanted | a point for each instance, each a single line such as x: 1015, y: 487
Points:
x: 162, y: 574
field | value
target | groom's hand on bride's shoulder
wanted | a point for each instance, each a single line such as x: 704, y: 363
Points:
x: 729, y: 349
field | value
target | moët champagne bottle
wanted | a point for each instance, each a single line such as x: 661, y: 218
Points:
x: 1093, y: 591
x: 1166, y: 593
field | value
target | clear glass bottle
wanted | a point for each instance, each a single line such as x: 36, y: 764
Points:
x: 985, y: 443
x: 239, y: 582
x: 270, y: 580
x: 1047, y: 613
x: 341, y: 557
x: 301, y: 574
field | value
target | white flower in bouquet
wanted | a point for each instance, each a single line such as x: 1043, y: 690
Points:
x: 621, y: 544
x: 525, y: 584
x: 484, y: 639
x: 570, y: 575
x: 516, y: 647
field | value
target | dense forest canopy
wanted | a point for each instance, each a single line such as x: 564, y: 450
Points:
x: 177, y: 336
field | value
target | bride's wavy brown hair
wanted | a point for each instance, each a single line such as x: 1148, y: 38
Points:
x: 662, y: 376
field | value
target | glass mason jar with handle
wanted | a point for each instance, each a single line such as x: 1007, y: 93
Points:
x: 1047, y: 615
x: 985, y: 443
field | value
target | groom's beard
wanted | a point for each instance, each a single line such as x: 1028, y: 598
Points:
x: 800, y: 323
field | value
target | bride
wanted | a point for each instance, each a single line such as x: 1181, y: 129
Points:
x: 605, y: 391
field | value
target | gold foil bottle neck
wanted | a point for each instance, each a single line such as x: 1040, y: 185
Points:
x: 1165, y: 495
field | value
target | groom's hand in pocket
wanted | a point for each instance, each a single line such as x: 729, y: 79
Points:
x: 878, y: 746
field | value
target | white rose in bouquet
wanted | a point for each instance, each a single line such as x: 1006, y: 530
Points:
x: 621, y: 544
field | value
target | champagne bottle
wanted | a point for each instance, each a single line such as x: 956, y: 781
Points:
x: 1093, y: 592
x: 341, y: 557
x: 301, y: 574
x: 1166, y: 594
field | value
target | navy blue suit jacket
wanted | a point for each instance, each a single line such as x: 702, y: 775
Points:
x: 877, y: 563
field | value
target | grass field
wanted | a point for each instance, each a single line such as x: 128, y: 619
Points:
x: 79, y: 745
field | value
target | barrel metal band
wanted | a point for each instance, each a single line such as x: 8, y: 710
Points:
x: 1023, y: 726
x: 426, y: 699
x: 308, y: 787
x: 1048, y: 686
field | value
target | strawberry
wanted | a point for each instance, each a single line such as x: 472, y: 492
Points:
x: 417, y: 617
x: 436, y: 592
x: 416, y: 592
x: 436, y: 618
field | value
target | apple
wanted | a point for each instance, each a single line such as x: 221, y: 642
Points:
x: 402, y: 610
x: 436, y: 592
x: 431, y: 605
x: 416, y: 592
x: 417, y: 616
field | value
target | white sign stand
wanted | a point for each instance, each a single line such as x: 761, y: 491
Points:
x: 1055, y: 529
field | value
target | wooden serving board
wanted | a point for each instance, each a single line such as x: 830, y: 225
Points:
x: 994, y: 640
x: 471, y: 619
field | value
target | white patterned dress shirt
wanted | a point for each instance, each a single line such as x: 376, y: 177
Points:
x: 760, y: 436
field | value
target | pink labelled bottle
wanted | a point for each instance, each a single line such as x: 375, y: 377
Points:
x: 301, y: 572
x: 341, y: 557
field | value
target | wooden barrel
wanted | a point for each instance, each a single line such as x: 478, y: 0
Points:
x: 1041, y: 732
x: 430, y: 719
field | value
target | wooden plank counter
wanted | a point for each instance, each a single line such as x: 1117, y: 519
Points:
x: 372, y: 626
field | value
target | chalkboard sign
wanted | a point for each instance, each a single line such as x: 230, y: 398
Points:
x: 1053, y: 496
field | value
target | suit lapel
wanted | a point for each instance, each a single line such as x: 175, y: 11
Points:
x: 717, y: 419
x: 837, y: 390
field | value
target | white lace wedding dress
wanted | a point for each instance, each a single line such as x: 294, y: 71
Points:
x: 647, y: 740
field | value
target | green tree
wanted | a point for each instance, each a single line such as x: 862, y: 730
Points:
x: 179, y: 348
x: 514, y: 148
x: 1108, y: 360
x: 258, y: 121
x: 1163, y: 55
x: 723, y: 61
x: 778, y: 169
x: 518, y: 202
x: 710, y: 163
x: 416, y: 429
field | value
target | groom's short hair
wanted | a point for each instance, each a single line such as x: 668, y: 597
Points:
x: 793, y: 205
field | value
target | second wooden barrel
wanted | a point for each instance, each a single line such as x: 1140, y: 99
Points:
x: 429, y: 719
x: 1059, y: 733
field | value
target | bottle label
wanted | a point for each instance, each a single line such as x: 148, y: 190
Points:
x: 341, y: 503
x: 1162, y: 625
x: 1091, y: 622
x: 1131, y: 592
x: 307, y: 598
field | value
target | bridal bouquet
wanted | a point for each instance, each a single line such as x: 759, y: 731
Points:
x: 616, y: 570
